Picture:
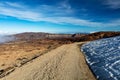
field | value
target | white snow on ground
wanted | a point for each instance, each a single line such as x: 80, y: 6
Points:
x: 103, y: 57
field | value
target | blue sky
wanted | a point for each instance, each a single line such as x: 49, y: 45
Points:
x: 59, y: 16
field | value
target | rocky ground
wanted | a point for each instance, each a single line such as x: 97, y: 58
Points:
x: 64, y: 63
x: 29, y: 46
x: 15, y: 54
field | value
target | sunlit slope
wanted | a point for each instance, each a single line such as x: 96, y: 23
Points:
x: 63, y: 63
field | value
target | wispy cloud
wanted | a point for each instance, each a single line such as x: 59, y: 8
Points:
x: 25, y: 15
x: 49, y: 14
x: 11, y: 9
x: 114, y: 4
x: 65, y: 5
x: 16, y: 5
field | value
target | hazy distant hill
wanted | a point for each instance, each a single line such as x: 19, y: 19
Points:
x: 41, y: 35
x: 6, y: 38
x: 66, y: 37
x: 30, y: 35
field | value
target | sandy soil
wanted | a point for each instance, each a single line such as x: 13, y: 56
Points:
x: 16, y: 54
x: 64, y: 63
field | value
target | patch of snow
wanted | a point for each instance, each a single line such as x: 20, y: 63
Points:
x: 103, y: 56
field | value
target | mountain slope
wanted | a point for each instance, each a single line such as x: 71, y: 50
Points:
x: 64, y: 63
x: 98, y: 35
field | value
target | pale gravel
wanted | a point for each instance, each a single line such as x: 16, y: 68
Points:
x: 63, y: 63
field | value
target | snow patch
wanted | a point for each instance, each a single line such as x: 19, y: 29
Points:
x: 103, y: 56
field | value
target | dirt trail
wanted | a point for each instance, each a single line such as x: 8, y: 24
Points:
x: 63, y: 63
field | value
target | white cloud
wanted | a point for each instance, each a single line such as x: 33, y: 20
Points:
x: 11, y: 9
x: 41, y: 14
x: 5, y: 33
x: 21, y: 14
x: 114, y: 23
x: 16, y: 5
x: 114, y: 4
x: 65, y: 5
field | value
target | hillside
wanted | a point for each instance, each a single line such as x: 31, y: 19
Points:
x: 41, y: 35
x: 66, y: 37
x: 64, y: 63
x: 16, y: 53
x: 98, y: 35
x: 26, y: 47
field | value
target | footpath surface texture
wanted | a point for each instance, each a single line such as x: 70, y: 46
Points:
x: 63, y: 63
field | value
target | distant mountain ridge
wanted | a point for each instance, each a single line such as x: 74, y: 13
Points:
x: 30, y: 35
x: 77, y: 37
x: 99, y: 35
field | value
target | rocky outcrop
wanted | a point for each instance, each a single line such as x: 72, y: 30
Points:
x: 98, y: 35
